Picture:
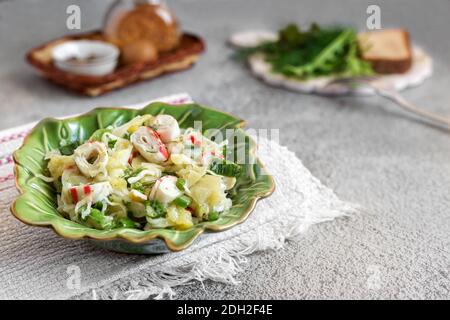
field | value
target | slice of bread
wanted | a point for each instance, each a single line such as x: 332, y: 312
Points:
x: 389, y: 51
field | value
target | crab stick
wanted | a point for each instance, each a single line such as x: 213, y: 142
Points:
x: 95, y: 192
x: 165, y: 190
x: 149, y: 145
x: 91, y: 158
x: 167, y: 127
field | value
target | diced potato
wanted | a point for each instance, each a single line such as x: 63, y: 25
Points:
x: 58, y: 164
x: 201, y: 210
x: 117, y: 209
x: 137, y: 209
x: 191, y: 175
x: 117, y: 162
x: 118, y: 183
x: 137, y: 196
x: 178, y: 217
x: 215, y: 198
x: 208, y: 190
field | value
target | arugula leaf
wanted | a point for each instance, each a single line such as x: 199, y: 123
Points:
x: 325, y: 59
x: 313, y: 53
x: 292, y: 35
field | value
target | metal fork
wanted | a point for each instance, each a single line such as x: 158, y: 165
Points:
x: 396, y: 97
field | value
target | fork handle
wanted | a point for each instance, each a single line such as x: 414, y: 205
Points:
x: 406, y: 105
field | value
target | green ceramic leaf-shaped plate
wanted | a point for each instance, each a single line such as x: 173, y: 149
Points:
x: 37, y: 203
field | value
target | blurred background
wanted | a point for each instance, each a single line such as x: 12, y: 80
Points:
x: 25, y: 24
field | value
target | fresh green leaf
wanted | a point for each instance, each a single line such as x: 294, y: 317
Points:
x: 138, y: 186
x: 98, y: 220
x: 224, y: 168
x: 125, y: 222
x: 155, y: 209
x: 314, y: 53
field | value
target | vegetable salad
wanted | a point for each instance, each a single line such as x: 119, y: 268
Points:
x: 147, y: 173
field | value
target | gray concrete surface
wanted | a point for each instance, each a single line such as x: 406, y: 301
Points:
x: 367, y: 150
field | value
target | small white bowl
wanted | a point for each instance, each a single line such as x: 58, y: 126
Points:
x: 100, y: 57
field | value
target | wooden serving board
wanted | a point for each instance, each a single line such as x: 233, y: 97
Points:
x: 184, y: 56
